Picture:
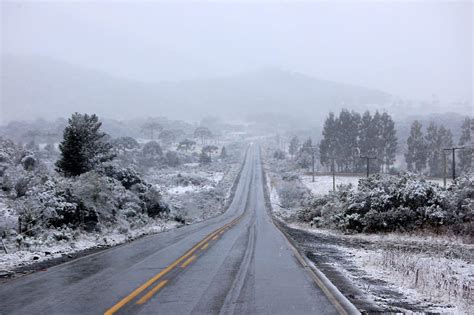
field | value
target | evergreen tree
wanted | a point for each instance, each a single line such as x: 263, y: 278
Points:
x: 366, y: 143
x: 433, y: 145
x: 347, y: 130
x: 305, y: 154
x: 327, y: 146
x: 293, y: 149
x: 415, y: 155
x: 389, y: 141
x: 223, y: 154
x: 446, y: 141
x: 83, y: 146
x: 465, y: 155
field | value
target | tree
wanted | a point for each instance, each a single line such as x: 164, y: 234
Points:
x: 327, y: 146
x: 151, y: 127
x: 125, y: 143
x: 167, y: 137
x: 186, y: 145
x: 152, y: 150
x: 203, y: 133
x: 223, y: 153
x: 437, y: 138
x: 415, y: 155
x: 389, y: 141
x: 210, y: 149
x: 83, y: 147
x: 465, y: 155
x: 204, y: 157
x: 172, y: 159
x: 293, y: 149
x: 305, y: 154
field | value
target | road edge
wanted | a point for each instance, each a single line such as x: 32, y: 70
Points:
x: 340, y: 302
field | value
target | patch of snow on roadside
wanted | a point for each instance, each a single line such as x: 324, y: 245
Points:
x: 323, y: 184
x: 42, y: 250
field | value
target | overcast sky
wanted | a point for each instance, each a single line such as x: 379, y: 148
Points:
x: 412, y: 49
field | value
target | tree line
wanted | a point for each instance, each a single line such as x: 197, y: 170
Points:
x: 350, y: 135
x: 425, y: 149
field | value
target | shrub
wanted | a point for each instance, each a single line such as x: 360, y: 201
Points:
x: 385, y: 203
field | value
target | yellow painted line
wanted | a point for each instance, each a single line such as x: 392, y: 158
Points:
x: 150, y: 293
x: 144, y: 286
x: 215, y: 237
x: 205, y: 246
x: 187, y: 262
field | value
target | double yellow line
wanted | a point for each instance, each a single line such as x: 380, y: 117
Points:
x: 187, y: 255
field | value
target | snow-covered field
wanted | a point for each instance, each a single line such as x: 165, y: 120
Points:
x: 324, y: 183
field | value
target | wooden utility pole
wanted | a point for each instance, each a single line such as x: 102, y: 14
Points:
x: 368, y: 158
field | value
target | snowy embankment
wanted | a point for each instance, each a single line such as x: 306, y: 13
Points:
x: 196, y: 192
x: 383, y: 272
x: 67, y: 242
x: 401, y: 272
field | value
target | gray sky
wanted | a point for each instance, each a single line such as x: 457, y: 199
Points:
x: 412, y: 49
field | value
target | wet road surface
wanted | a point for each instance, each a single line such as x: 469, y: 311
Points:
x: 238, y: 262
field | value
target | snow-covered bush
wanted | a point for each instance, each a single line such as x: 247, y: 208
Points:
x: 386, y: 203
x: 291, y: 194
x: 172, y: 159
x: 279, y: 155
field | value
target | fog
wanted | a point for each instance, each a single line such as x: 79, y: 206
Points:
x: 409, y: 50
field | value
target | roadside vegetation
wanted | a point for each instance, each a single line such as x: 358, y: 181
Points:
x: 90, y: 189
x: 402, y: 241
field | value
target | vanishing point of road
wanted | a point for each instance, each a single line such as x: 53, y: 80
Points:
x: 238, y: 262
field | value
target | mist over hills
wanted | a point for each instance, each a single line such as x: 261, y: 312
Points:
x: 34, y: 87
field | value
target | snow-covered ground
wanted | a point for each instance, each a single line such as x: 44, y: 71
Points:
x: 389, y: 272
x: 65, y: 242
x: 324, y: 183
x: 430, y: 273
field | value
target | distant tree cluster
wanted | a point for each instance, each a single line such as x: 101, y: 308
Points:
x: 350, y: 135
x: 425, y: 151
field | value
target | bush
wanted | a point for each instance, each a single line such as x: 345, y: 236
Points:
x: 279, y: 155
x: 385, y: 203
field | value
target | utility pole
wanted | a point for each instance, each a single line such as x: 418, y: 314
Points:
x: 368, y: 158
x: 453, y: 150
x: 333, y: 166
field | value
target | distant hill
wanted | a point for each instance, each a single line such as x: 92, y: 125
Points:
x: 35, y: 87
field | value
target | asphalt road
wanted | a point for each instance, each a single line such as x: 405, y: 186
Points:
x: 238, y: 262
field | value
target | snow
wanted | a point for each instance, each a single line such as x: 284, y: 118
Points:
x: 425, y: 270
x: 323, y: 183
x: 42, y: 250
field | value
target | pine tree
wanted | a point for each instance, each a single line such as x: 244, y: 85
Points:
x: 446, y: 141
x: 366, y: 144
x: 388, y: 141
x: 293, y: 149
x: 433, y: 143
x: 223, y: 154
x: 437, y: 138
x: 347, y: 130
x: 327, y: 146
x: 83, y: 146
x: 415, y: 155
x: 465, y: 155
x: 305, y: 154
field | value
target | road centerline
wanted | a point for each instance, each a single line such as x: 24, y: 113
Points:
x: 155, y: 278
